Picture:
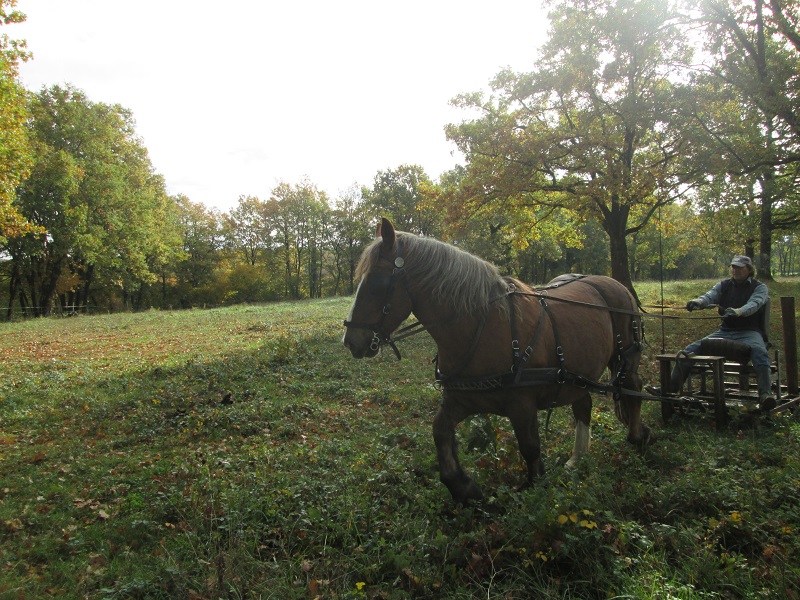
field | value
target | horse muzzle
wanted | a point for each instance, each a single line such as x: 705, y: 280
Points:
x: 363, y: 342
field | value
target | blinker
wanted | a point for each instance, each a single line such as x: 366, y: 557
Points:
x: 378, y: 285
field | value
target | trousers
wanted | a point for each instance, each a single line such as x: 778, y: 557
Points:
x: 759, y: 357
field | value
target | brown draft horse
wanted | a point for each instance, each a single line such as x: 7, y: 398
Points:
x: 503, y: 347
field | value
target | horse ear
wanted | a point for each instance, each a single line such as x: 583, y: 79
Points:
x: 386, y: 231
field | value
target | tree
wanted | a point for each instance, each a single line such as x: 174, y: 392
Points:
x: 590, y: 131
x: 350, y: 234
x: 298, y: 212
x: 755, y: 47
x: 93, y: 190
x: 15, y: 156
x: 202, y: 241
x: 248, y: 231
x: 399, y: 194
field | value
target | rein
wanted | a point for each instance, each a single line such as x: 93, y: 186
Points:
x: 417, y: 327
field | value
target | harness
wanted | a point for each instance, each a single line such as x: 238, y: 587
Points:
x: 521, y: 376
x: 518, y: 375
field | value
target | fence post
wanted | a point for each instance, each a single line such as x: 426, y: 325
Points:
x: 789, y: 342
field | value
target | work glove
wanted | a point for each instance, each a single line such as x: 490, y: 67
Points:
x: 693, y: 305
x: 732, y: 312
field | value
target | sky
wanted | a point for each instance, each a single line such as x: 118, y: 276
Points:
x: 231, y: 98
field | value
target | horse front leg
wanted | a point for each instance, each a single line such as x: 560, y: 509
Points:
x: 525, y: 421
x: 629, y: 412
x: 582, y: 411
x: 462, y: 488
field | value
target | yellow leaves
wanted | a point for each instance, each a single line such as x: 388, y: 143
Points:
x: 574, y: 517
x: 734, y: 517
x: 13, y: 525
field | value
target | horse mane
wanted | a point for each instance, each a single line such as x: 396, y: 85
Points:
x: 467, y: 283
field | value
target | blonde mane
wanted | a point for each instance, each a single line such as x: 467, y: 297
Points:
x: 467, y: 283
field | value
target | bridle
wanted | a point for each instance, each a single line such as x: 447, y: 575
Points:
x: 378, y: 336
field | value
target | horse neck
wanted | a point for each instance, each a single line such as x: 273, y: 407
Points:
x: 455, y: 337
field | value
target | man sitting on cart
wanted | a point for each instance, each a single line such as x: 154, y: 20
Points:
x: 741, y: 302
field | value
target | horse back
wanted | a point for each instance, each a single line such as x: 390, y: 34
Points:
x: 591, y: 315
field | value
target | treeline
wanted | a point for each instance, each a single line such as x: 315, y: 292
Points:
x: 623, y: 153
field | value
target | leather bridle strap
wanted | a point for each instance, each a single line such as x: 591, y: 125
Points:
x: 379, y: 338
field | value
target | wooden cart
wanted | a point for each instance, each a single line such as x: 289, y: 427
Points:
x: 718, y: 384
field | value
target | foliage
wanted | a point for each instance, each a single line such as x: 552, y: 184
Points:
x: 93, y: 190
x: 15, y: 159
x: 241, y: 452
x: 573, y: 166
x: 590, y: 134
x: 745, y: 115
x: 299, y: 219
x: 402, y: 195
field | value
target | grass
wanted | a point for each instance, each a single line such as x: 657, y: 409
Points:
x: 241, y: 453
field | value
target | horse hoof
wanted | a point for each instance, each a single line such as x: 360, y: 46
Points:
x: 470, y: 492
x: 648, y: 438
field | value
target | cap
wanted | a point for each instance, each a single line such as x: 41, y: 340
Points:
x: 741, y: 261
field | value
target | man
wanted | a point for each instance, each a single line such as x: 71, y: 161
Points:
x: 742, y: 301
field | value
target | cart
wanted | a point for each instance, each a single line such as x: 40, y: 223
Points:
x: 720, y: 382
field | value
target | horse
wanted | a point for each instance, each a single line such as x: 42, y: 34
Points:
x: 503, y: 347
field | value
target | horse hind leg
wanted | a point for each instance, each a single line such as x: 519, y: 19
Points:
x: 582, y: 411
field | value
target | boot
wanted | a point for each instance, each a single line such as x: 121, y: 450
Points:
x: 766, y: 401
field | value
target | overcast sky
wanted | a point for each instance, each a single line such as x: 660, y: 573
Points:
x: 232, y: 97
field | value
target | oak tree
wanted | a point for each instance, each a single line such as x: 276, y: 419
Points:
x: 590, y: 131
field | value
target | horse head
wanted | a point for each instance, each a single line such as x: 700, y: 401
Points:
x: 382, y: 302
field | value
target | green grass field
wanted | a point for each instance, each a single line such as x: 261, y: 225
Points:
x: 241, y: 453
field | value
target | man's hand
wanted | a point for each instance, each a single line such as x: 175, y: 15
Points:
x: 732, y: 312
x: 693, y: 305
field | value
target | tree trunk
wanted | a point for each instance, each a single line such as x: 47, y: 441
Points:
x: 83, y: 295
x: 12, y: 290
x: 764, y: 262
x: 48, y: 290
x: 615, y: 225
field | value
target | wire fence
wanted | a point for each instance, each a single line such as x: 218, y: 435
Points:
x: 55, y: 311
